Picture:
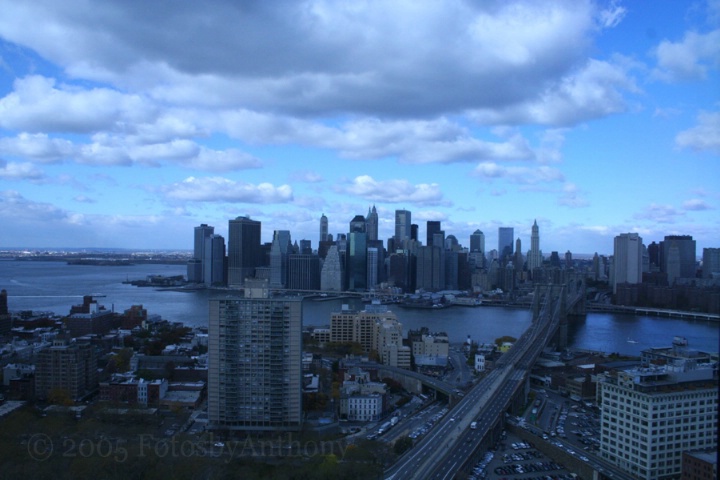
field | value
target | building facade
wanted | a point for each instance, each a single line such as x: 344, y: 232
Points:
x: 243, y: 250
x: 652, y: 414
x: 627, y: 259
x: 255, y: 364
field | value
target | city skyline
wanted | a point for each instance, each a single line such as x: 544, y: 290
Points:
x: 595, y: 118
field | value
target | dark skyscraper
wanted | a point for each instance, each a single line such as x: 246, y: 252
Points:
x: 683, y: 264
x: 403, y: 221
x: 243, y: 250
x: 357, y: 224
x: 357, y: 261
x: 433, y: 227
x: 506, y: 237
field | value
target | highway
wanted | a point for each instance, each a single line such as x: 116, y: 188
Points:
x: 444, y: 450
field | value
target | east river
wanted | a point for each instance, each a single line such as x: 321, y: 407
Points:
x: 56, y: 286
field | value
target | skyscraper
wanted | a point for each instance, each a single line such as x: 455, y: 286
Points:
x: 402, y: 227
x: 506, y: 237
x: 357, y: 224
x: 323, y: 228
x: 196, y: 269
x: 627, y: 259
x: 243, y: 250
x: 255, y: 364
x: 371, y: 222
x: 357, y: 261
x: 433, y: 227
x: 711, y: 262
x: 477, y: 241
x: 279, y: 251
x: 214, y: 260
x: 535, y: 255
x: 684, y: 264
x: 333, y: 273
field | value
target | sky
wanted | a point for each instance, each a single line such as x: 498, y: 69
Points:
x: 124, y: 124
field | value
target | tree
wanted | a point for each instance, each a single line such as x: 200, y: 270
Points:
x: 402, y: 444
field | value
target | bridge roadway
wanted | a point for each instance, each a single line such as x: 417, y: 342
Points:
x: 438, y: 454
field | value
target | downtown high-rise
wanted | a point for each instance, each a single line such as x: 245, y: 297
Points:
x: 627, y: 259
x: 255, y: 362
x: 243, y: 250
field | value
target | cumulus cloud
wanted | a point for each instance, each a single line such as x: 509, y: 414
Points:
x: 37, y: 104
x: 19, y: 171
x: 316, y: 57
x: 522, y: 175
x: 219, y: 189
x: 703, y: 137
x: 15, y: 207
x: 38, y: 147
x: 688, y: 59
x: 594, y: 90
x: 394, y: 191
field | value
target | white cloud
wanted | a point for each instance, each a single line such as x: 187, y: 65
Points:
x: 19, y: 171
x: 704, y: 137
x: 594, y: 90
x: 522, y: 175
x: 612, y: 15
x: 688, y: 59
x: 38, y: 147
x: 218, y: 189
x: 394, y: 191
x: 38, y: 104
x: 659, y: 213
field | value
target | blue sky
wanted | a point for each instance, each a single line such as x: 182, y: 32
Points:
x: 126, y: 124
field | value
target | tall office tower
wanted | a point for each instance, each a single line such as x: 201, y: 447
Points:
x: 450, y: 261
x: 711, y: 262
x: 518, y: 261
x: 323, y: 228
x: 568, y: 260
x: 358, y: 225
x: 243, y: 250
x: 686, y: 259
x: 535, y: 259
x: 372, y: 224
x: 477, y: 242
x: 651, y: 414
x: 506, y: 237
x: 305, y: 247
x: 451, y: 243
x: 67, y: 367
x: 433, y: 227
x: 281, y: 247
x: 303, y: 272
x: 402, y: 227
x: 654, y: 256
x: 372, y: 267
x: 195, y: 269
x: 414, y: 231
x: 430, y: 271
x: 627, y: 259
x: 357, y: 261
x: 214, y: 261
x: 398, y: 271
x: 255, y: 363
x: 333, y: 273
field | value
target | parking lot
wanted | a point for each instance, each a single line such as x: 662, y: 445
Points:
x: 518, y: 460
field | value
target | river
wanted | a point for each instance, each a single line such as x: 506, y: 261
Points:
x: 56, y: 286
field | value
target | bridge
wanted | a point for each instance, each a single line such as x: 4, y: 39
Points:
x: 446, y: 449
